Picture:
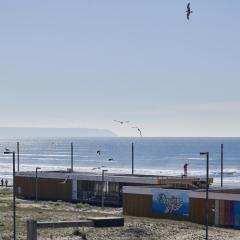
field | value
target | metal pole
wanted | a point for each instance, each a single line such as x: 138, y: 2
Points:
x: 103, y: 181
x: 132, y: 158
x: 14, y: 198
x: 36, y: 184
x: 102, y: 189
x: 221, y: 165
x: 72, y: 157
x: 14, y: 192
x: 18, y: 155
x: 207, y: 187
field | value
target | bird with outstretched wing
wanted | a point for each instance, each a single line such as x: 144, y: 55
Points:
x: 139, y: 130
x: 121, y: 122
x: 189, y: 11
x: 98, y: 152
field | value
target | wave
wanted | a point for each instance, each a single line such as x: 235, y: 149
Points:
x: 44, y: 155
x: 231, y: 175
x: 231, y: 172
x: 195, y: 158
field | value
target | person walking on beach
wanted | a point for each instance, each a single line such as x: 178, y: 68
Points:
x: 2, y: 182
x: 6, y: 182
x: 185, y: 169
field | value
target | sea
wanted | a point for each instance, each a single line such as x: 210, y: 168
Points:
x: 152, y: 156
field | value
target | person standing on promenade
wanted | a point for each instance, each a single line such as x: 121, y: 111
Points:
x: 6, y: 182
x: 185, y: 169
x: 2, y: 182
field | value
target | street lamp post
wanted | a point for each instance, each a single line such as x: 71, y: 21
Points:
x: 103, y: 181
x: 14, y: 193
x: 221, y: 165
x: 36, y: 183
x: 207, y: 188
x: 132, y: 158
x: 71, y: 157
x: 18, y: 156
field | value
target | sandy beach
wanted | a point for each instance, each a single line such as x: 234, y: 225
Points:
x: 135, y: 228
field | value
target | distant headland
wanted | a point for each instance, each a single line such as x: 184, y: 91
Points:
x: 28, y: 132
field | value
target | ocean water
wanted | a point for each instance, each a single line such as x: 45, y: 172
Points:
x: 163, y: 156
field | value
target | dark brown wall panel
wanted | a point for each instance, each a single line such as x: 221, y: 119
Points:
x: 48, y: 188
x: 197, y: 210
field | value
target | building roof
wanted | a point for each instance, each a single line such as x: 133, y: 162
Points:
x: 214, y: 193
x: 97, y: 176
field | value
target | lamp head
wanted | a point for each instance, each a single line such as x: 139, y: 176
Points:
x: 7, y: 151
x: 204, y: 153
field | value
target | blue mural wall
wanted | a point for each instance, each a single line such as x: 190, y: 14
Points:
x: 170, y: 202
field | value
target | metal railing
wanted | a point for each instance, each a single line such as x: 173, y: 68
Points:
x: 96, y: 197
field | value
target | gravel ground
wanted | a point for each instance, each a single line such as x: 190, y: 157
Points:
x: 135, y: 228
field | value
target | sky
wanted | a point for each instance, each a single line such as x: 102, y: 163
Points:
x: 84, y: 63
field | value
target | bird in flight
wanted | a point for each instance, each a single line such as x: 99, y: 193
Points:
x: 7, y: 150
x: 110, y: 159
x: 65, y: 181
x: 98, y: 152
x: 139, y: 130
x: 121, y: 122
x: 95, y: 168
x: 189, y: 11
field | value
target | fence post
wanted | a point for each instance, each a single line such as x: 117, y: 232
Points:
x: 31, y: 230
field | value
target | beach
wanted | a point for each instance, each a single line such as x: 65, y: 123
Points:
x: 135, y: 227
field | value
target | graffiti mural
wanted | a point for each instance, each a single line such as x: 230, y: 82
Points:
x: 170, y: 202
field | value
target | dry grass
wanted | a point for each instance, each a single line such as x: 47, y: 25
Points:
x: 135, y: 228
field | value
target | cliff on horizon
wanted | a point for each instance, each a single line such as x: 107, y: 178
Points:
x: 25, y: 132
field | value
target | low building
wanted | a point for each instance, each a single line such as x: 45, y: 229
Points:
x: 190, y: 205
x: 87, y: 187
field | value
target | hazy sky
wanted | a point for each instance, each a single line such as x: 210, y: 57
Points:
x: 84, y: 63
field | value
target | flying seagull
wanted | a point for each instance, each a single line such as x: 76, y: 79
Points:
x: 65, y: 181
x: 98, y: 152
x: 121, y: 122
x: 110, y: 159
x: 95, y: 168
x: 139, y: 130
x: 189, y: 11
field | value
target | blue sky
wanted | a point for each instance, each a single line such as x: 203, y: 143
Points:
x: 85, y: 63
